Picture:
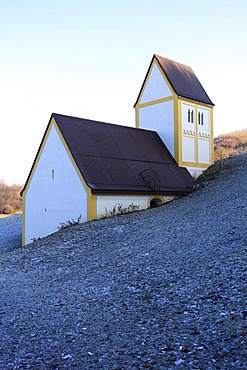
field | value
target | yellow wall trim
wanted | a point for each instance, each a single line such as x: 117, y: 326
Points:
x: 23, y: 221
x: 178, y: 130
x: 88, y: 190
x: 153, y: 102
x: 30, y: 180
x: 165, y: 78
x: 189, y: 135
x: 154, y: 62
x: 195, y: 164
x: 194, y: 102
x: 196, y: 127
x: 137, y: 117
x: 92, y: 207
x: 91, y: 198
x: 212, y: 135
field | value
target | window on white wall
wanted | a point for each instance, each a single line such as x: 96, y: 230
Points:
x: 200, y: 118
x: 190, y: 117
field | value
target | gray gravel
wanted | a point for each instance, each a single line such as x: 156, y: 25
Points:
x: 159, y: 289
x: 10, y: 233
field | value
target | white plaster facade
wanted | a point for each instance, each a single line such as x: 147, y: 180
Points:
x: 185, y: 125
x: 152, y: 116
x: 55, y: 193
x: 196, y: 132
x: 195, y: 171
x: 109, y: 205
x: 204, y: 148
x: 188, y: 133
x: 156, y: 87
x: 160, y: 118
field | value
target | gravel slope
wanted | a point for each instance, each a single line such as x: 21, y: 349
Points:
x: 158, y: 289
x: 10, y: 233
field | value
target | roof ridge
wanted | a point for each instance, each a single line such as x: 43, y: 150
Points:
x: 103, y: 122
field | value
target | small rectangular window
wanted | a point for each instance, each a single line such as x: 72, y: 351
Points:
x: 52, y: 174
x: 188, y: 115
x: 192, y: 116
x: 202, y: 119
x: 199, y: 118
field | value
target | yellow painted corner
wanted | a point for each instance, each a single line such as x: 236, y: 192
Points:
x: 30, y: 179
x: 145, y: 83
x: 23, y: 226
x: 86, y: 187
x: 178, y: 131
x: 196, y: 127
x: 92, y: 207
x: 212, y: 135
x: 165, y: 78
x: 137, y: 117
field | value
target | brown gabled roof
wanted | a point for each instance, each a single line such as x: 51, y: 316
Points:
x: 120, y: 159
x: 182, y: 79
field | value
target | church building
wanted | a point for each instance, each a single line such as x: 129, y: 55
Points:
x: 86, y: 170
x: 173, y: 102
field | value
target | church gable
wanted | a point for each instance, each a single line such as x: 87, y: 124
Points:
x: 155, y: 86
x: 54, y: 192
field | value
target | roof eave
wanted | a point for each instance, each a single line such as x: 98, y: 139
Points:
x: 144, y: 81
x: 174, y: 192
x: 196, y: 100
x: 36, y: 157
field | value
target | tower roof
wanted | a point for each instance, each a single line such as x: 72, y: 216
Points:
x: 182, y: 79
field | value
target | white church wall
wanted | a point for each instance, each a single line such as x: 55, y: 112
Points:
x: 188, y: 133
x: 203, y: 121
x: 109, y: 205
x: 203, y: 151
x: 188, y: 118
x: 195, y: 171
x: 159, y: 118
x: 55, y: 193
x: 156, y: 87
x: 189, y: 148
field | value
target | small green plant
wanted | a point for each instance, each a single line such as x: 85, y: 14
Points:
x: 119, y: 209
x: 35, y: 239
x: 64, y: 225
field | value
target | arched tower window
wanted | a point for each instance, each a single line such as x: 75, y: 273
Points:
x: 188, y: 115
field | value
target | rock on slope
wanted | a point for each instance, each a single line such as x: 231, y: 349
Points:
x: 158, y: 289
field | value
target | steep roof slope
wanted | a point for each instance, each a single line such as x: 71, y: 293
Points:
x: 114, y: 158
x: 182, y: 79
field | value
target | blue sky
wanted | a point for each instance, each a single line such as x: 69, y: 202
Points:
x: 89, y: 59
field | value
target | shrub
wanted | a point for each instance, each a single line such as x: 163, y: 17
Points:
x: 9, y: 197
x: 7, y: 209
x: 230, y: 144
